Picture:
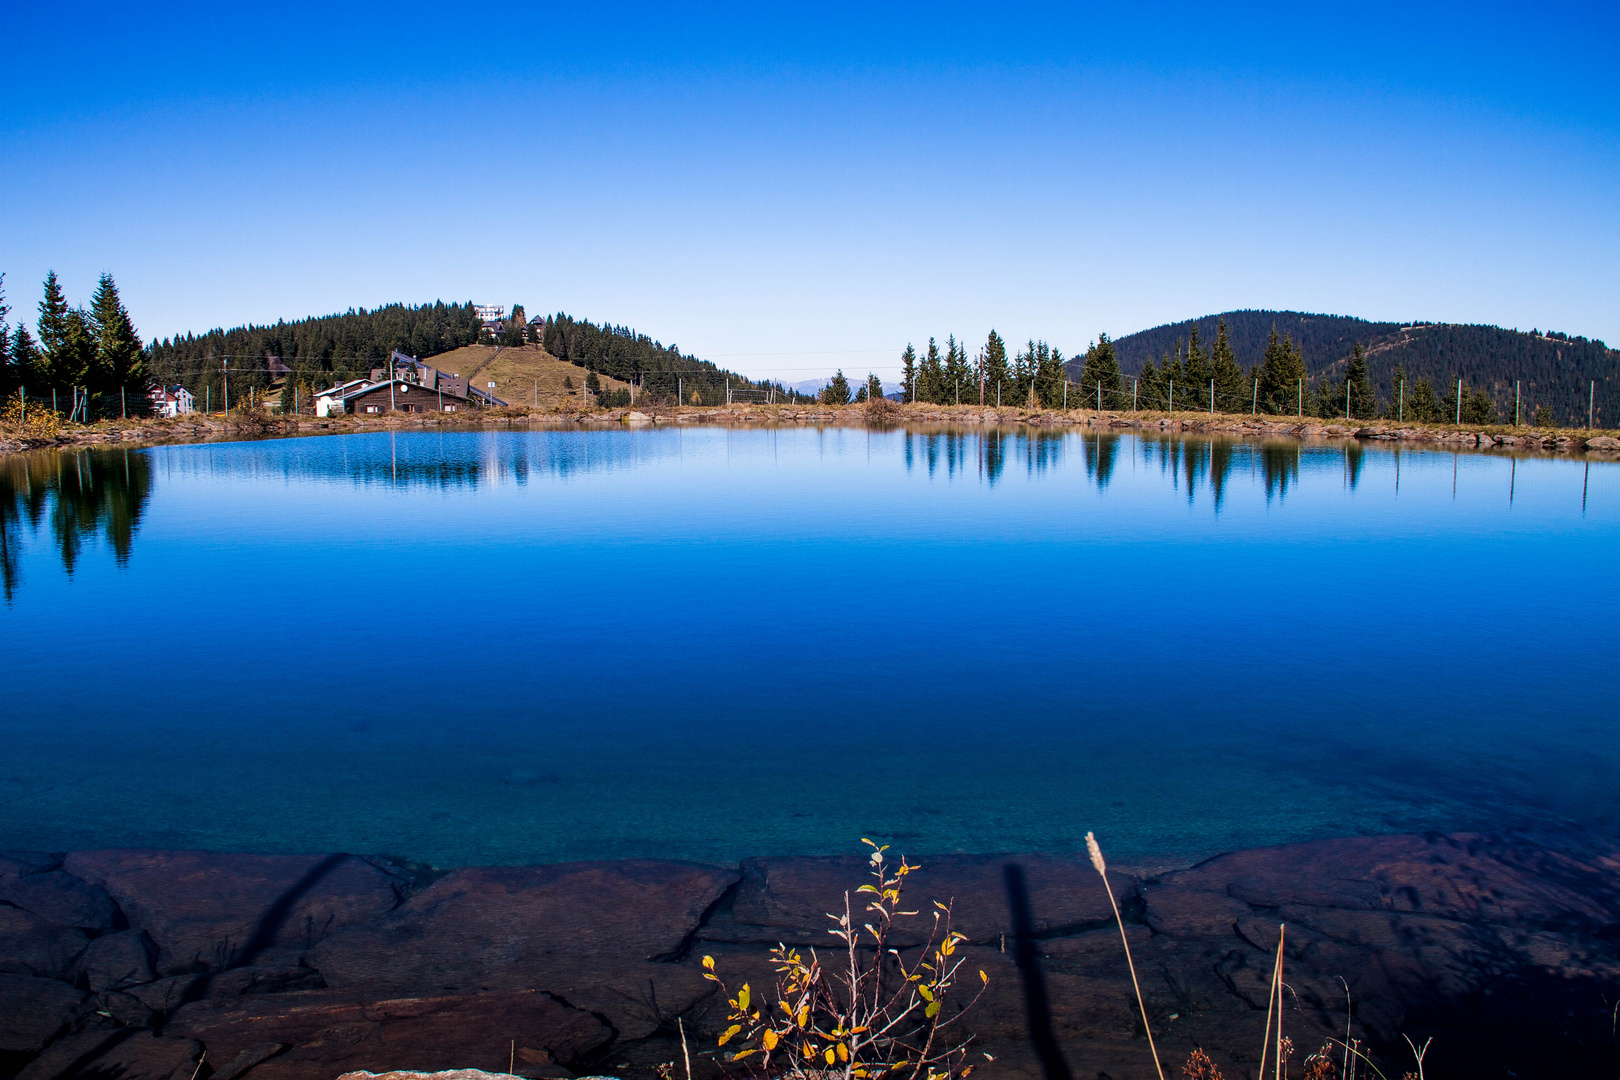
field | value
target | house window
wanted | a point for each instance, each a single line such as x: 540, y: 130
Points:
x: 449, y: 408
x: 371, y: 408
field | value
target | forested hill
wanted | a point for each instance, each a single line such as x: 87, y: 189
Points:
x: 1552, y: 368
x: 331, y: 347
x: 324, y: 347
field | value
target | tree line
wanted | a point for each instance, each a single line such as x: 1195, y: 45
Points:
x: 93, y: 348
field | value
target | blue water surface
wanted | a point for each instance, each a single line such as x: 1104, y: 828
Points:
x: 533, y: 646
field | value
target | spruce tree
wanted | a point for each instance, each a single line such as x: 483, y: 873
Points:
x: 26, y: 360
x: 958, y: 378
x: 1050, y: 374
x: 1232, y: 390
x: 995, y: 366
x: 1363, y: 399
x: 1102, y: 369
x: 874, y: 388
x: 1150, y: 386
x: 931, y: 376
x: 1282, y: 372
x: 10, y: 378
x: 1422, y: 403
x: 119, y: 361
x: 908, y: 374
x: 836, y: 392
x: 54, y: 333
x: 1197, y: 373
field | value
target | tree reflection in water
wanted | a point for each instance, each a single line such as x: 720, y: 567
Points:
x: 78, y: 496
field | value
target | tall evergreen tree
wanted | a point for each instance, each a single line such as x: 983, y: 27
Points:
x: 26, y: 360
x: 836, y: 392
x: 1422, y: 403
x: 56, y: 344
x: 1363, y: 400
x: 958, y: 377
x: 995, y: 367
x: 10, y: 378
x: 1102, y: 369
x: 1050, y: 374
x: 1195, y: 370
x: 1282, y: 374
x: 1232, y: 389
x: 119, y: 361
x: 874, y: 388
x: 931, y: 376
x: 908, y: 374
x: 1150, y: 387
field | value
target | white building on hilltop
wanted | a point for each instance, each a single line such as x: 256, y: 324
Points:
x: 490, y: 314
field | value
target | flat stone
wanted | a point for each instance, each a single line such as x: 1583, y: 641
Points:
x: 1603, y: 442
x: 36, y: 883
x: 208, y: 911
x: 115, y: 961
x: 121, y: 1053
x: 327, y: 1033
x: 31, y: 945
x: 33, y: 1011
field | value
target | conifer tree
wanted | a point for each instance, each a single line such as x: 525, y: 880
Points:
x: 25, y: 358
x: 55, y: 334
x: 836, y: 392
x: 1363, y: 400
x: 1232, y: 390
x: 1400, y: 393
x: 1195, y: 370
x: 958, y: 378
x: 874, y: 388
x: 1150, y: 387
x: 995, y: 366
x: 1422, y: 403
x: 908, y: 374
x: 118, y: 359
x: 9, y: 376
x: 1282, y: 372
x: 1050, y: 373
x: 1102, y: 369
x: 931, y: 376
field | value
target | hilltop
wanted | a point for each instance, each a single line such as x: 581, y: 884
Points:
x: 1550, y: 367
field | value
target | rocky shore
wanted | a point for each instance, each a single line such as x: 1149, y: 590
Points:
x: 139, y: 964
x: 199, y: 428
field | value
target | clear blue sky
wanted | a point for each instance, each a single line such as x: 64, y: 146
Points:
x: 785, y: 193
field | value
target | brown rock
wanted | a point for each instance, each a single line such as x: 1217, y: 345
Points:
x: 209, y: 911
x: 1603, y: 442
x: 33, y: 1010
x: 30, y: 945
x: 328, y: 1032
x: 121, y: 1053
x: 36, y: 883
x: 114, y: 961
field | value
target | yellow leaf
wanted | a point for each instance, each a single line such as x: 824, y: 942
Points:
x: 932, y: 1010
x: 809, y: 1050
x: 843, y: 1052
x: 948, y: 947
x: 804, y: 1015
x: 739, y: 1055
x: 742, y: 998
x: 984, y: 978
x: 730, y: 1032
x: 927, y: 994
x: 708, y: 962
x: 830, y: 1056
x: 770, y: 1040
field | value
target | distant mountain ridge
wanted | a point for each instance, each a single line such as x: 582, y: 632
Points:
x: 1552, y: 368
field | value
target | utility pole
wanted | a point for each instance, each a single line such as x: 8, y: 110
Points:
x: 1459, y: 401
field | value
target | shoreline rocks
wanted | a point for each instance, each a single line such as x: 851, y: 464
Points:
x: 1504, y: 947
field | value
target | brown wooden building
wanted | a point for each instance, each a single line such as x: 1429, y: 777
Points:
x: 401, y: 395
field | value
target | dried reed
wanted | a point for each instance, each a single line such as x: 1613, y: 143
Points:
x: 1102, y: 869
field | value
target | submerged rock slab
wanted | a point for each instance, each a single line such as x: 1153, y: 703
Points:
x: 327, y: 1032
x: 208, y: 912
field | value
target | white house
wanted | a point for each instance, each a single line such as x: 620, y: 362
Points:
x: 171, y: 400
x: 329, y: 402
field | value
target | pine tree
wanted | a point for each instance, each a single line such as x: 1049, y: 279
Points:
x: 26, y: 360
x: 119, y: 361
x: 1102, y: 369
x: 836, y: 392
x: 908, y: 374
x: 1398, y: 393
x: 1363, y: 400
x: 1196, y: 371
x: 10, y: 377
x: 995, y: 367
x: 1282, y: 374
x: 55, y: 345
x: 1232, y: 390
x: 931, y: 376
x: 874, y: 388
x: 1422, y: 403
x: 1150, y: 387
x: 958, y: 377
x: 1050, y: 374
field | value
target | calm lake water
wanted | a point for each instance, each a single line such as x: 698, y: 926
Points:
x: 536, y: 646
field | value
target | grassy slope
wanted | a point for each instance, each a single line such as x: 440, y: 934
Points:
x: 515, y: 373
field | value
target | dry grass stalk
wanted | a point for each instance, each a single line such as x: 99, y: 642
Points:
x: 1101, y: 867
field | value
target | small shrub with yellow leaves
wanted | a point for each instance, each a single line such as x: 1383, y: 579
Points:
x: 869, y: 1013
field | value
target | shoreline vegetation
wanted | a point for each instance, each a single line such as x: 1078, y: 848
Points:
x: 1495, y: 950
x: 43, y: 430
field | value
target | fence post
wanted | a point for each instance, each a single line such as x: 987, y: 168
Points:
x: 1299, y: 409
x: 1172, y: 408
x: 1400, y: 410
x: 1591, y: 400
x: 1212, y: 397
x: 1254, y: 401
x: 1459, y: 401
x: 1515, y: 404
x: 1347, y: 399
x: 1136, y: 384
x: 1099, y: 397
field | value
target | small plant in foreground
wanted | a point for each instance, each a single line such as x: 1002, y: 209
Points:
x: 869, y: 1013
x: 34, y: 421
